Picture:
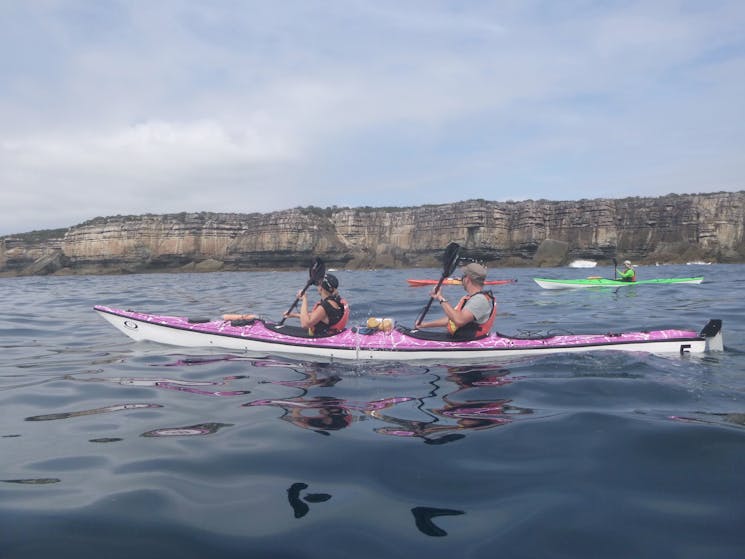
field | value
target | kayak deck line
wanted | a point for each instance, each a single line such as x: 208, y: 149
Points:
x: 401, y: 344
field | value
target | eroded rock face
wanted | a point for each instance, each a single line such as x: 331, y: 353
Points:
x: 674, y: 228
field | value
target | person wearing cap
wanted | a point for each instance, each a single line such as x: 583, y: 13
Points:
x: 628, y: 273
x: 330, y: 314
x: 473, y: 316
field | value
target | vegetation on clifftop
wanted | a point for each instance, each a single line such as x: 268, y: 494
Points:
x: 38, y: 236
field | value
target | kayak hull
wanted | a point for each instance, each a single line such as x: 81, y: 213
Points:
x: 361, y: 344
x: 547, y: 283
x: 453, y: 281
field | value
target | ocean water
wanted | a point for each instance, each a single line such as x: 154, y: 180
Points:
x: 111, y: 448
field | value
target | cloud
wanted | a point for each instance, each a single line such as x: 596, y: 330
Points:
x: 118, y: 108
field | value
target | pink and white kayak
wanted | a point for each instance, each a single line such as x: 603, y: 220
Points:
x: 262, y: 338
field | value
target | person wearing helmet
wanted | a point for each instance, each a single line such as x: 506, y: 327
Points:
x: 330, y: 314
x: 628, y: 273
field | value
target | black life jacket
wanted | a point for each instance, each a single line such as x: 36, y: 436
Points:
x: 337, y: 315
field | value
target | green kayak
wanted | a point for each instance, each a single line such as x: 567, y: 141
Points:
x: 546, y: 283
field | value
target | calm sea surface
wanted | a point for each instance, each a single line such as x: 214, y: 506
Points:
x: 111, y: 448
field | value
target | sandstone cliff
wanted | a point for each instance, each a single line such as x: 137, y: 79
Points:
x: 673, y: 228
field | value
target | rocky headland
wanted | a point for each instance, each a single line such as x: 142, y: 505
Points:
x: 667, y: 229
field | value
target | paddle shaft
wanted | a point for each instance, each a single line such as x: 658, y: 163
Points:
x: 316, y: 273
x: 450, y: 261
x: 429, y: 303
x: 297, y: 299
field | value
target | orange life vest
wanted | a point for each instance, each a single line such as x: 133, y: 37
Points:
x: 473, y: 329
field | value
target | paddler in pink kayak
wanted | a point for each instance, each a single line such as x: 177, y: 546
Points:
x: 473, y: 316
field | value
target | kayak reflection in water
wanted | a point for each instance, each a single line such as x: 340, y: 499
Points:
x: 479, y: 375
x: 469, y: 415
x: 309, y: 380
x: 324, y: 413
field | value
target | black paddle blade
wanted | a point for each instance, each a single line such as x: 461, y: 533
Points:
x: 449, y: 262
x: 615, y: 268
x: 317, y: 271
x: 315, y: 274
x: 450, y: 259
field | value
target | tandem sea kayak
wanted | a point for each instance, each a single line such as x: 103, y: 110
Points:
x: 547, y: 283
x: 258, y: 337
x: 454, y: 281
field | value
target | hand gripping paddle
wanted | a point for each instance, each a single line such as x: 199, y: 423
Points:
x: 449, y: 262
x: 316, y: 272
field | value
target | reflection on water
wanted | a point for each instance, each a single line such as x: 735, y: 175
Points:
x: 182, y: 452
x: 450, y: 416
x: 737, y: 419
x: 299, y: 507
x: 105, y: 409
x: 423, y: 517
x: 171, y: 384
x: 453, y: 405
x: 33, y: 481
x: 299, y: 500
x: 189, y: 431
x: 444, y: 417
x: 325, y: 413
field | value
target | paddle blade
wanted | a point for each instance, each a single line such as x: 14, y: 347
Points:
x: 450, y: 260
x: 316, y: 272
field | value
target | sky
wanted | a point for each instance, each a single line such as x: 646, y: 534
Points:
x: 130, y: 107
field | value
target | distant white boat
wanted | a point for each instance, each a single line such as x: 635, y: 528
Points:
x: 698, y: 263
x: 582, y: 264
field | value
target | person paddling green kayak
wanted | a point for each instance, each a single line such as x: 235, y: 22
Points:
x: 628, y: 273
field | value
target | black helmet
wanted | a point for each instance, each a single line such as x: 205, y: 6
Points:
x: 329, y: 282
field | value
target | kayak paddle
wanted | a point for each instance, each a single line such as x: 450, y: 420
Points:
x: 615, y: 268
x: 449, y: 262
x: 316, y: 272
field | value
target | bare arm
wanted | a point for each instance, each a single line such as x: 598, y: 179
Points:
x: 309, y: 320
x: 458, y: 316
